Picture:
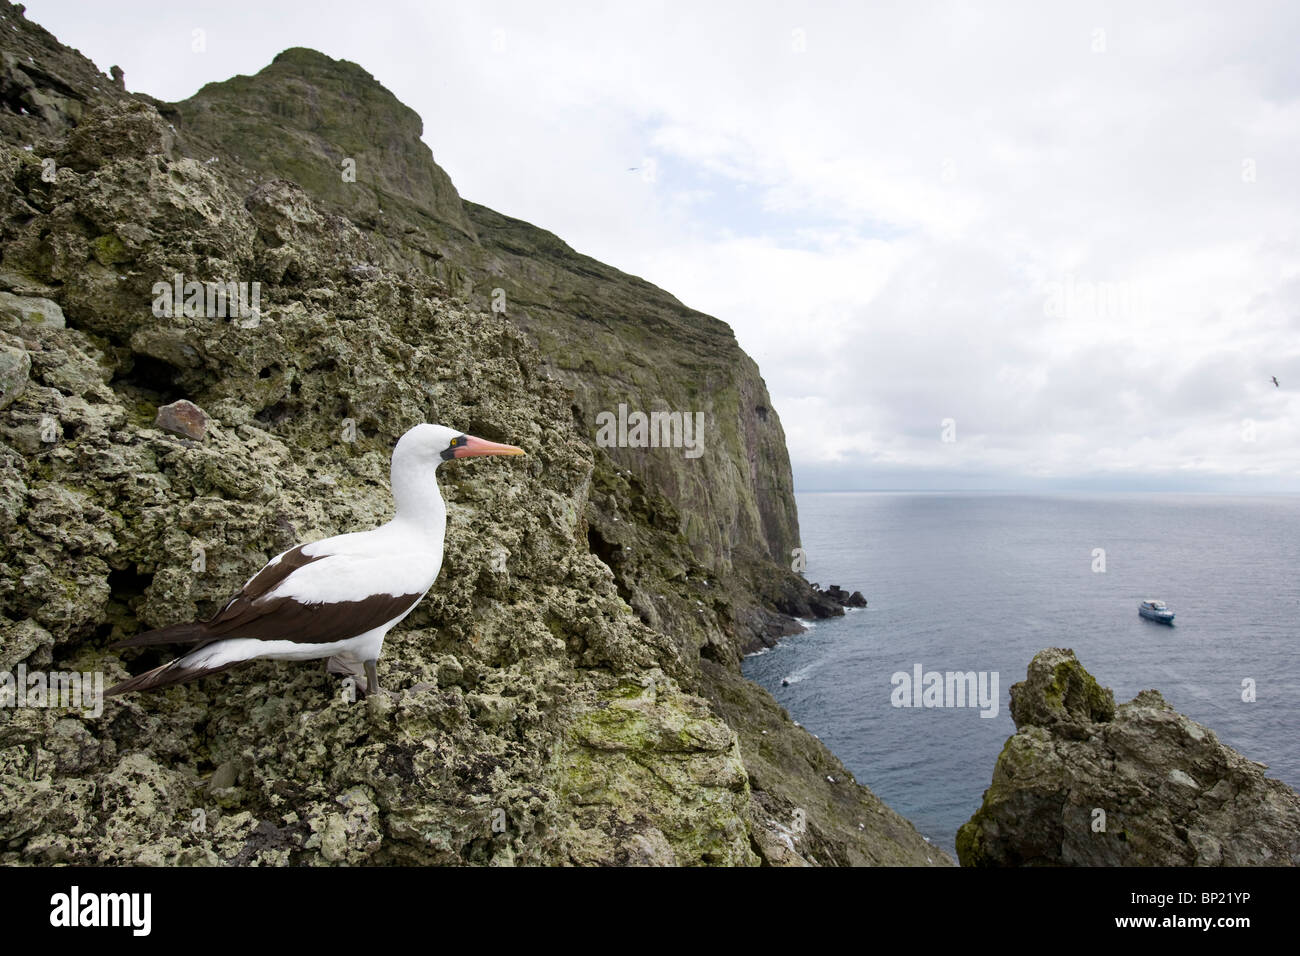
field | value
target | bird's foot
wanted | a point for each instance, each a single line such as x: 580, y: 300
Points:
x: 360, y: 679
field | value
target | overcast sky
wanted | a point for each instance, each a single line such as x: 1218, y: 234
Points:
x: 1070, y: 229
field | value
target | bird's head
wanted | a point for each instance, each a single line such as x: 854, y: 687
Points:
x: 440, y: 443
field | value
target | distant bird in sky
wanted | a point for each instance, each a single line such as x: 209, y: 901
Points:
x: 1275, y: 385
x: 333, y: 598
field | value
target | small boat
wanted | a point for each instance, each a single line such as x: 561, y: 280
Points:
x: 1156, y: 611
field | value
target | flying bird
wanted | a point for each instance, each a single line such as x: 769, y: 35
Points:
x: 336, y: 597
x: 1275, y: 384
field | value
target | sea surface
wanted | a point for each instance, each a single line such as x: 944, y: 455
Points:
x: 982, y: 581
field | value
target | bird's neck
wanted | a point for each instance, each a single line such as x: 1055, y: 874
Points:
x: 419, y: 502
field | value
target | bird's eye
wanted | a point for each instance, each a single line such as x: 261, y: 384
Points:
x: 455, y: 441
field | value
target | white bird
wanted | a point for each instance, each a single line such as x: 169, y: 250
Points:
x: 336, y: 597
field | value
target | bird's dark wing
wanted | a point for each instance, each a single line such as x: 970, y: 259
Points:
x: 259, y: 614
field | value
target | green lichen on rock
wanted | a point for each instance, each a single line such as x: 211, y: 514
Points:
x: 654, y: 777
x: 1061, y: 695
x: 109, y: 250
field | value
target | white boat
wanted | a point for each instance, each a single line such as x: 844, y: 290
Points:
x: 1156, y: 611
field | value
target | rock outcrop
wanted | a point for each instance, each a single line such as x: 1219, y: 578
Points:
x: 843, y: 597
x: 1086, y: 783
x: 569, y: 692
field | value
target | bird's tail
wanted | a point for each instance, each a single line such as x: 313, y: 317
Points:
x: 177, y: 672
x: 175, y: 634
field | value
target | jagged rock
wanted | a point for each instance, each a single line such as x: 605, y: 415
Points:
x: 23, y: 285
x: 1086, y: 783
x: 183, y: 418
x: 1060, y: 696
x: 844, y: 598
x: 25, y: 86
x: 129, y: 129
x: 19, y: 310
x: 790, y: 597
x: 24, y: 641
x: 44, y: 86
x: 15, y: 368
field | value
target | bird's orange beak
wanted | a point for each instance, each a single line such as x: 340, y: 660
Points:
x: 480, y: 446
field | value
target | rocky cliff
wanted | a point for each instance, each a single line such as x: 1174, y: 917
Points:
x: 568, y: 693
x: 1086, y: 783
x: 611, y: 338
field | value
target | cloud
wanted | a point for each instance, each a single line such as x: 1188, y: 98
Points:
x: 1071, y: 229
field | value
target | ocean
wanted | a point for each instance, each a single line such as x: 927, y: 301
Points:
x: 982, y: 581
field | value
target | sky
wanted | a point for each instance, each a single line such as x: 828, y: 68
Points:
x: 971, y: 245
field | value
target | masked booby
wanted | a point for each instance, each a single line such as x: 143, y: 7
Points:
x: 336, y: 597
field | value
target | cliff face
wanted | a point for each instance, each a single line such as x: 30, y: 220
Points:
x: 568, y: 692
x: 1086, y: 783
